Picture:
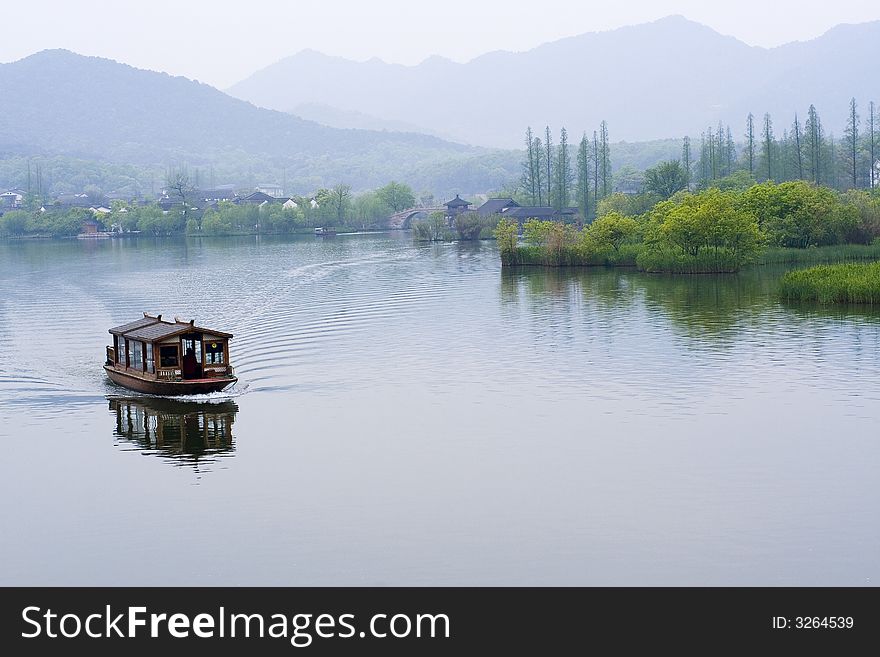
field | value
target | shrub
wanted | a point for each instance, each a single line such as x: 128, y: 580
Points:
x: 433, y: 229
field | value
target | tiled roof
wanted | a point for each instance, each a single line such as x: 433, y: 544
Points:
x: 150, y: 329
x: 138, y: 323
x: 495, y: 205
x: 457, y: 202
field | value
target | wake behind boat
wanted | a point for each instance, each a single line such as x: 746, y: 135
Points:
x: 156, y: 357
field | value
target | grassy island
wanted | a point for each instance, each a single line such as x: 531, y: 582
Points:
x: 710, y: 231
x: 843, y: 283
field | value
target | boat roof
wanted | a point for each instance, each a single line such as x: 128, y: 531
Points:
x: 151, y: 328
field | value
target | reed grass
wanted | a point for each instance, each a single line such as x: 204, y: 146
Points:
x: 857, y: 283
x: 819, y: 255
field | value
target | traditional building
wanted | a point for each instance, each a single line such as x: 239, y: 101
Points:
x: 455, y: 207
x: 219, y: 193
x: 496, y: 206
x: 90, y: 227
x: 12, y: 199
x: 258, y: 198
x: 523, y: 213
x: 271, y: 189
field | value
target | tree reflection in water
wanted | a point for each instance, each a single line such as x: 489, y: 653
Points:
x: 183, y: 433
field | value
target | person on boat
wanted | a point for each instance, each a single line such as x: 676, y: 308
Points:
x: 190, y: 365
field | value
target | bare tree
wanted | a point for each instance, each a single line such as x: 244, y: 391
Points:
x: 177, y: 184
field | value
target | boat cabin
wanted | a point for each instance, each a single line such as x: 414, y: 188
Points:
x: 151, y: 350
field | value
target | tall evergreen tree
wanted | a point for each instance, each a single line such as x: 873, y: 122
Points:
x: 852, y: 141
x: 605, y: 159
x: 582, y: 187
x: 813, y: 144
x: 798, y: 148
x: 686, y: 161
x: 832, y: 166
x: 596, y: 169
x: 730, y: 151
x: 721, y: 150
x: 538, y: 149
x: 783, y: 156
x: 713, y: 155
x: 768, y: 143
x: 704, y: 161
x: 564, y: 175
x: 528, y: 176
x: 872, y: 142
x: 548, y: 161
x: 750, y: 142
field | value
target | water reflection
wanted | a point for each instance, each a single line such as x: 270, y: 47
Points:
x: 702, y: 307
x: 184, y: 433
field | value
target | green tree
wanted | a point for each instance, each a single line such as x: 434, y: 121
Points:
x: 433, y: 229
x: 604, y: 159
x: 798, y: 214
x: 582, y: 186
x: 768, y: 145
x: 814, y: 144
x: 872, y: 142
x: 506, y: 233
x: 529, y: 174
x: 468, y: 226
x: 548, y: 162
x: 612, y: 230
x: 538, y: 150
x: 711, y: 229
x: 686, y: 161
x: 729, y: 151
x: 852, y: 141
x: 564, y: 174
x: 369, y: 209
x: 14, y: 223
x: 798, y: 148
x: 629, y: 205
x: 750, y: 142
x: 340, y: 202
x: 666, y: 178
x: 396, y: 196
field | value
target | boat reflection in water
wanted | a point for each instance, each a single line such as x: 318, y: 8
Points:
x: 184, y: 433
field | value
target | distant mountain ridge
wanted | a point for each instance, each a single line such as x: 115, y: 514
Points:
x: 56, y: 102
x: 661, y: 79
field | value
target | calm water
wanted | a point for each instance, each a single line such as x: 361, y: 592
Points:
x: 413, y: 415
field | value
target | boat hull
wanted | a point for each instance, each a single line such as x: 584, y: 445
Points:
x: 167, y: 388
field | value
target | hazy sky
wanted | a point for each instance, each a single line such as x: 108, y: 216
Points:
x: 223, y: 41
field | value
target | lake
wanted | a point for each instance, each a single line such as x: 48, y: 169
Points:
x: 412, y: 415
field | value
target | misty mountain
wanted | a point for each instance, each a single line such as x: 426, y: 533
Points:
x: 338, y: 118
x: 60, y: 103
x: 661, y: 79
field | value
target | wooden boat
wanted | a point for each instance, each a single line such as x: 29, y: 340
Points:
x: 157, y: 357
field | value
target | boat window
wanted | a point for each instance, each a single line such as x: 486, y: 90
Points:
x: 214, y: 352
x: 120, y: 350
x: 195, y: 344
x: 151, y: 366
x: 168, y: 356
x: 136, y: 355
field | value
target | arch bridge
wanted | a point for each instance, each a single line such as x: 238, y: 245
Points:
x: 403, y: 220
